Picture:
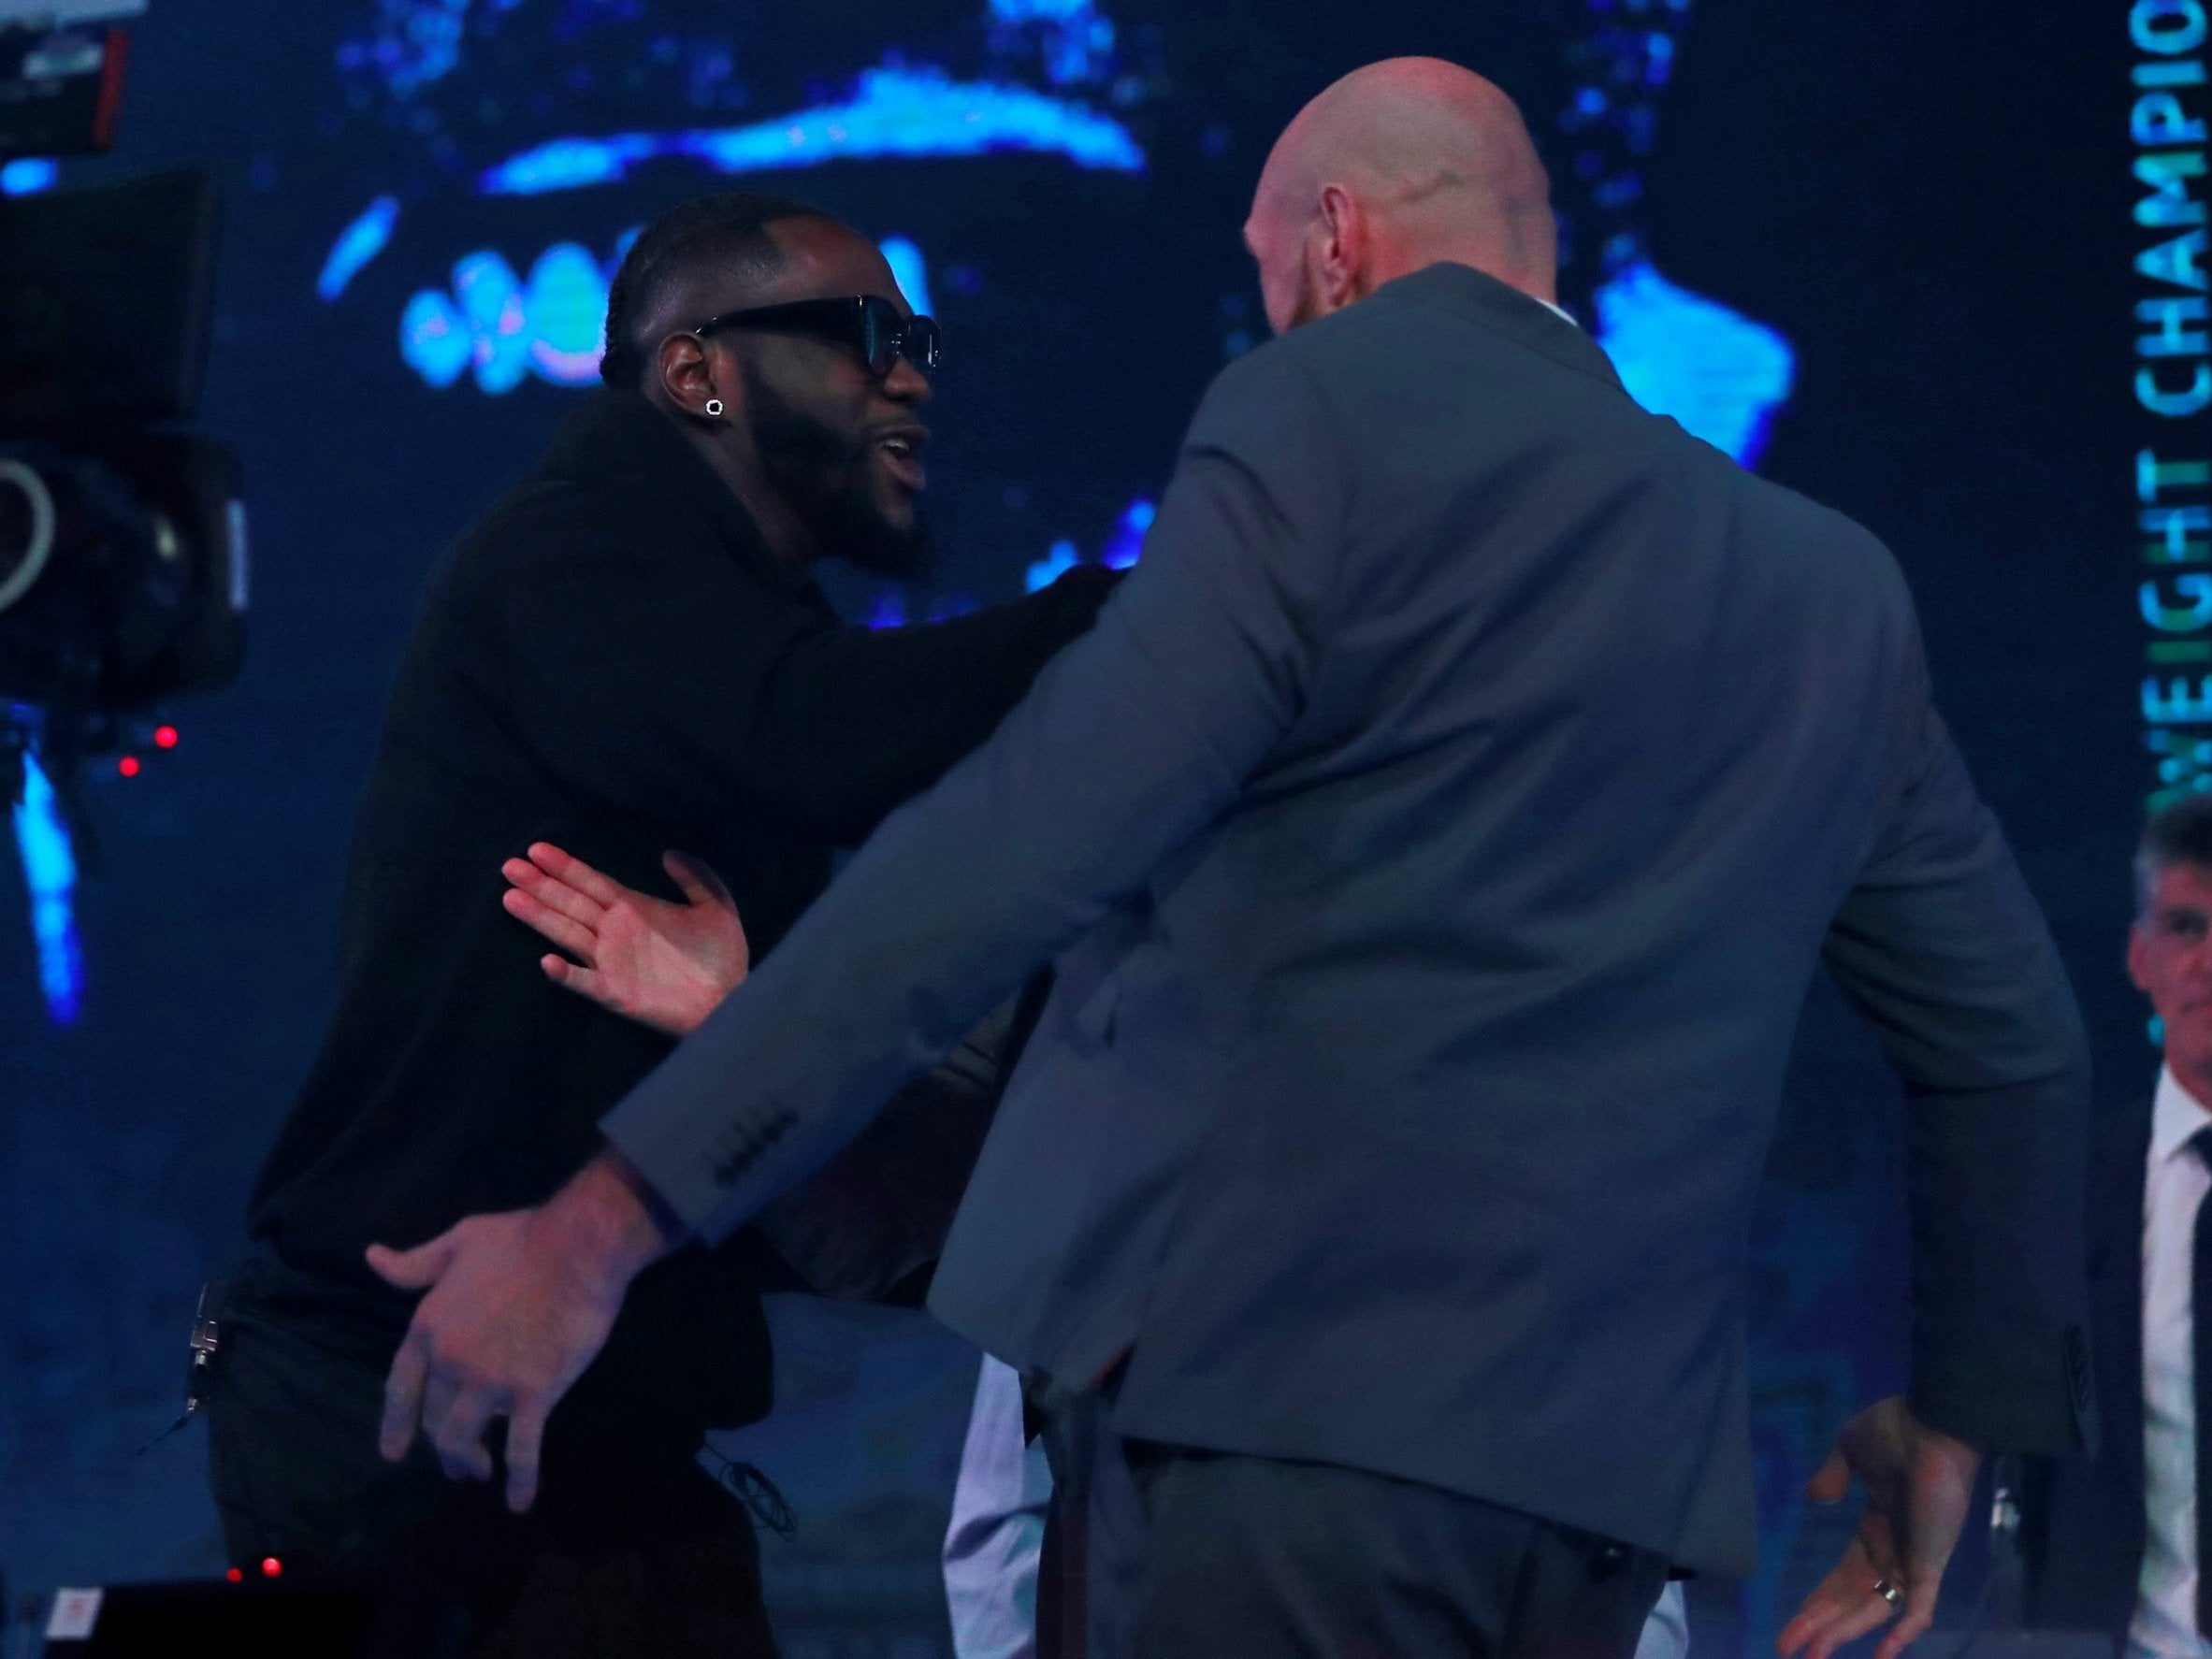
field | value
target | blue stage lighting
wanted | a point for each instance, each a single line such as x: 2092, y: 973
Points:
x: 434, y: 337
x: 1127, y: 542
x: 565, y: 310
x: 910, y: 271
x: 1721, y: 375
x: 357, y: 244
x: 490, y: 295
x: 550, y: 325
x: 896, y: 112
x: 414, y: 44
x: 49, y: 875
x: 571, y: 163
x: 1057, y: 562
x: 27, y: 175
x: 623, y: 244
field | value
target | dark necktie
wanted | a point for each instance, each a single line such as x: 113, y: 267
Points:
x: 2200, y: 1308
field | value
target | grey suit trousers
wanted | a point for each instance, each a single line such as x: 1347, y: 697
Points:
x: 1164, y: 1552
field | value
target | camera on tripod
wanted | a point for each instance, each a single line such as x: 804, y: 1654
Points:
x: 123, y: 572
x: 122, y: 547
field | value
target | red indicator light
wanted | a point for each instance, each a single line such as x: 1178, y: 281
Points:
x: 128, y: 766
x: 165, y: 737
x: 272, y: 1568
x: 236, y: 1575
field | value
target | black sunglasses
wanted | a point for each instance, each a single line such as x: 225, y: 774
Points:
x: 871, y: 325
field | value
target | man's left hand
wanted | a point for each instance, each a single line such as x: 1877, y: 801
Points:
x: 1919, y: 1489
x: 518, y: 1304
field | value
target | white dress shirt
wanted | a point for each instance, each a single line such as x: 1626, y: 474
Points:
x: 998, y: 1526
x: 2174, y: 1183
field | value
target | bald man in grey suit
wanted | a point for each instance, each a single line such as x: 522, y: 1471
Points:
x: 1437, y: 837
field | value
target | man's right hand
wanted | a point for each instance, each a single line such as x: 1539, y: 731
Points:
x: 664, y: 965
x: 1920, y: 1485
x: 515, y: 1306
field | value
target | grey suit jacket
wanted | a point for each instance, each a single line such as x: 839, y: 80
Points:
x: 1440, y: 830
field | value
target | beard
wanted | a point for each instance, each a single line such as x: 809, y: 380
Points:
x: 830, y: 480
x: 1308, y: 304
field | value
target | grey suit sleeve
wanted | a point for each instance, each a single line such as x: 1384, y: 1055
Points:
x: 868, y: 1222
x: 1133, y: 741
x: 1942, y: 950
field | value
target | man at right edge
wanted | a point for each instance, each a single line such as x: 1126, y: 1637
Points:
x: 1438, y: 835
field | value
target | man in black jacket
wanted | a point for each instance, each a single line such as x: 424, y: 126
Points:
x: 626, y: 655
x: 2113, y: 1543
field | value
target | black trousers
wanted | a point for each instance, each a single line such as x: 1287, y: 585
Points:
x: 631, y: 1552
x: 1164, y: 1552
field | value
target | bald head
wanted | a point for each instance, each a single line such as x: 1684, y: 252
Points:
x: 1396, y: 167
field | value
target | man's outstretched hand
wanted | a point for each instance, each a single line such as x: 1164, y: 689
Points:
x: 1919, y: 1486
x: 517, y: 1305
x: 664, y: 965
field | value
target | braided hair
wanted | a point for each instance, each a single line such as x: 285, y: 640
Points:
x: 727, y: 229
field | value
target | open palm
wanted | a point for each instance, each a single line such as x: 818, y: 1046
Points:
x: 663, y: 964
x: 1920, y: 1485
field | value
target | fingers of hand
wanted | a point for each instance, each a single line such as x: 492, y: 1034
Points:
x: 698, y: 880
x: 403, y: 1393
x: 1813, y: 1618
x: 1820, y: 1610
x: 1919, y: 1613
x: 691, y: 877
x: 525, y: 1434
x: 574, y: 873
x: 1832, y: 1481
x: 573, y: 937
x: 1867, y: 1611
x: 1941, y: 1500
x: 1832, y: 1599
x: 583, y: 981
x: 1824, y: 1610
x: 554, y: 895
x: 456, y: 1410
x: 1803, y: 1629
x: 416, y: 1269
x: 1844, y: 1607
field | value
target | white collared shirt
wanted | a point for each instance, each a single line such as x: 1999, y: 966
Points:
x: 2174, y: 1183
x: 993, y: 1546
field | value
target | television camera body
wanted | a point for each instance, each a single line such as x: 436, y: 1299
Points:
x: 123, y: 554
